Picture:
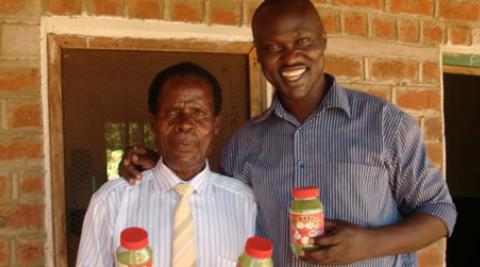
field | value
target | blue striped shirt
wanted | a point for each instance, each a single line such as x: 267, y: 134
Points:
x: 223, y: 211
x: 365, y: 155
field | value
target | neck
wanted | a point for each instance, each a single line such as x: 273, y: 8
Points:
x: 187, y: 174
x: 302, y: 108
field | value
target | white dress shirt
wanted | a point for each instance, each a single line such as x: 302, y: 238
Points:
x: 223, y: 210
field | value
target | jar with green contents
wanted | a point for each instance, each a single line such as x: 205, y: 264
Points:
x: 306, y: 219
x: 258, y: 253
x: 134, y: 250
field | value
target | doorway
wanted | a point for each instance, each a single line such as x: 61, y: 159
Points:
x: 97, y: 91
x: 462, y: 130
x: 105, y: 110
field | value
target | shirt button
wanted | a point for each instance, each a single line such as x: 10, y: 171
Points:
x: 301, y: 164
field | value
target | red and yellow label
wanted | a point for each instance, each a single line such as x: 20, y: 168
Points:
x: 304, y: 227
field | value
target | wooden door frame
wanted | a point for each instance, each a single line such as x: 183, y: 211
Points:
x: 55, y: 44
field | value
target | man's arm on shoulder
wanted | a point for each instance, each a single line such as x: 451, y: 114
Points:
x: 96, y: 243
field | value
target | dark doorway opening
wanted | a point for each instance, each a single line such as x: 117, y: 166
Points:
x: 462, y: 130
x: 104, y: 103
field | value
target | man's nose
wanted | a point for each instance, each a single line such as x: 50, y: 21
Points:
x: 185, y: 122
x: 290, y: 56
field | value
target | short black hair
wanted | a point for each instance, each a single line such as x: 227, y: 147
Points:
x: 267, y: 3
x: 184, y: 69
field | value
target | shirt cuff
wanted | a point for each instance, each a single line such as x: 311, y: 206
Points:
x: 444, y: 211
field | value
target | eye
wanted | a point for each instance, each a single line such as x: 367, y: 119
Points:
x: 171, y: 113
x: 304, y: 42
x: 198, y: 113
x: 273, y: 48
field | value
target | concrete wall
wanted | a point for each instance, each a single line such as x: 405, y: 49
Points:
x: 391, y: 48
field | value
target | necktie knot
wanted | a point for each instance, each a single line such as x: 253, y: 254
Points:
x: 185, y: 190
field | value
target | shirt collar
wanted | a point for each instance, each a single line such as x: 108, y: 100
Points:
x: 167, y: 179
x: 336, y: 97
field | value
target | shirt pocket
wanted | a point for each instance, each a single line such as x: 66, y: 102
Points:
x: 224, y: 262
x: 355, y: 192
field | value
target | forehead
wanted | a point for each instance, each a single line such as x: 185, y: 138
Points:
x: 186, y: 88
x: 277, y: 19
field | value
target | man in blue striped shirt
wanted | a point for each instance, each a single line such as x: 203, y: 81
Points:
x: 383, y: 197
x: 184, y: 103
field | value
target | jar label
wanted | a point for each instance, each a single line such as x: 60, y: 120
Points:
x: 304, y: 227
x: 138, y: 258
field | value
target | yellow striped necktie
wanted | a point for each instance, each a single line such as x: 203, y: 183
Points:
x: 183, y: 234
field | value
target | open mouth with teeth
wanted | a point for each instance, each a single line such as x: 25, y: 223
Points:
x: 293, y: 74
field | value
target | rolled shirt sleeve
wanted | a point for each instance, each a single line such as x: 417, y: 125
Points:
x: 418, y: 186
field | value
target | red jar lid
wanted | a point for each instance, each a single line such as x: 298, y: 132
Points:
x: 305, y: 192
x: 133, y: 238
x: 258, y: 247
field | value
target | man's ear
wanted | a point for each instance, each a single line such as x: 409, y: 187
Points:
x: 218, y: 123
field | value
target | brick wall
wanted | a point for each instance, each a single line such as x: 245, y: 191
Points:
x: 22, y: 231
x: 412, y: 84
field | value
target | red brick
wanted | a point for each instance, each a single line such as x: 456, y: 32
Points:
x: 433, y: 255
x: 431, y: 72
x: 330, y: 20
x: 433, y: 129
x: 31, y: 184
x: 225, y: 12
x: 433, y: 33
x: 408, y: 31
x: 377, y: 4
x: 250, y: 9
x: 419, y: 100
x: 144, y: 9
x: 18, y: 79
x: 5, y: 187
x: 21, y: 10
x: 391, y: 69
x: 24, y: 114
x: 105, y: 7
x: 384, y: 28
x: 65, y: 7
x: 189, y: 11
x: 454, y: 10
x: 4, y: 253
x: 421, y: 7
x: 344, y: 66
x: 20, y: 40
x: 30, y: 251
x: 355, y: 23
x: 459, y: 35
x: 376, y: 90
x: 11, y: 6
x: 22, y: 216
x: 20, y: 148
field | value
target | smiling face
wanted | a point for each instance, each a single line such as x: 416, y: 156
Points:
x: 290, y: 42
x: 185, y: 125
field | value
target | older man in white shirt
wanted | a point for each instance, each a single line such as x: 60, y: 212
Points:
x: 218, y: 213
